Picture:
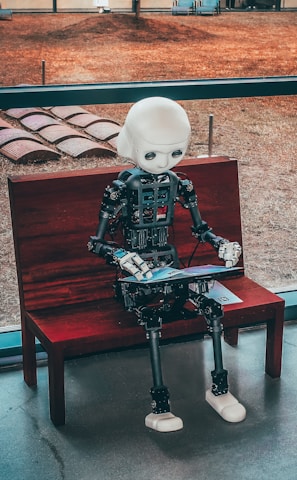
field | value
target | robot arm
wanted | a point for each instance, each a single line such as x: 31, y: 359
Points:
x: 130, y: 262
x: 109, y: 209
x: 229, y: 252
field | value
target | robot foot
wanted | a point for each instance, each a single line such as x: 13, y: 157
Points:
x: 163, y: 422
x: 227, y: 406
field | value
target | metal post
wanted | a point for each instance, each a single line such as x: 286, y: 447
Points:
x: 43, y: 71
x: 210, y: 135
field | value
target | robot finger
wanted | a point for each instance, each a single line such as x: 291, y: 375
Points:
x: 229, y: 264
x: 126, y: 262
x: 144, y: 268
x: 133, y: 269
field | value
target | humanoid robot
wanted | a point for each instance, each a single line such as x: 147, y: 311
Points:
x: 141, y: 203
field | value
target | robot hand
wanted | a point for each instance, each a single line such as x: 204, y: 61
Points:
x: 229, y: 252
x: 94, y: 245
x: 132, y: 263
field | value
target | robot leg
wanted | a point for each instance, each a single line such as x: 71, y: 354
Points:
x: 218, y: 397
x: 161, y: 419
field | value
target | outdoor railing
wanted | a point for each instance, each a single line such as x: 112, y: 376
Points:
x: 111, y: 93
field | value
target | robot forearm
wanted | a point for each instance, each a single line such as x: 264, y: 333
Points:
x: 101, y: 248
x: 204, y: 234
x: 129, y: 262
x: 200, y: 229
x: 97, y: 244
x: 229, y: 252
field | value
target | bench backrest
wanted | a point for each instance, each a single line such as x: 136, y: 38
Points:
x: 54, y: 214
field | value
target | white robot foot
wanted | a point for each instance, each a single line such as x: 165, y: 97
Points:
x: 163, y: 422
x: 227, y: 406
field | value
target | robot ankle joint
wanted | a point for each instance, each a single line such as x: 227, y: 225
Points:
x: 220, y: 382
x: 160, y: 399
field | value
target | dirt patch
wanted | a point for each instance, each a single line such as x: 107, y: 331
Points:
x: 130, y: 29
x: 260, y: 133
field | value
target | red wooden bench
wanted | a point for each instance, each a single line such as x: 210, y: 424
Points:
x: 66, y: 293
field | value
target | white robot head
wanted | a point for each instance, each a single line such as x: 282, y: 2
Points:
x: 155, y: 135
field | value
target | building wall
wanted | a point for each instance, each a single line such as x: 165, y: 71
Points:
x: 28, y: 4
x: 90, y: 5
x: 158, y: 4
x: 84, y: 5
x: 289, y: 4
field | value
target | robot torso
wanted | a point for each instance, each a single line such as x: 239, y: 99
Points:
x: 147, y: 212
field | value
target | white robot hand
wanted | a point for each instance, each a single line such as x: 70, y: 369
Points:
x: 132, y: 263
x: 230, y: 253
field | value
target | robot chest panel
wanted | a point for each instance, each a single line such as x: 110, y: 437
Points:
x: 150, y: 201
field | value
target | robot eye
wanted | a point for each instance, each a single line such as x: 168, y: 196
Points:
x: 150, y: 156
x: 176, y: 153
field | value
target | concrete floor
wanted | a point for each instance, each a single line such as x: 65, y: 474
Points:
x: 108, y: 397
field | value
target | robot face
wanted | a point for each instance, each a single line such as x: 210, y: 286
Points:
x: 155, y: 135
x: 154, y: 158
